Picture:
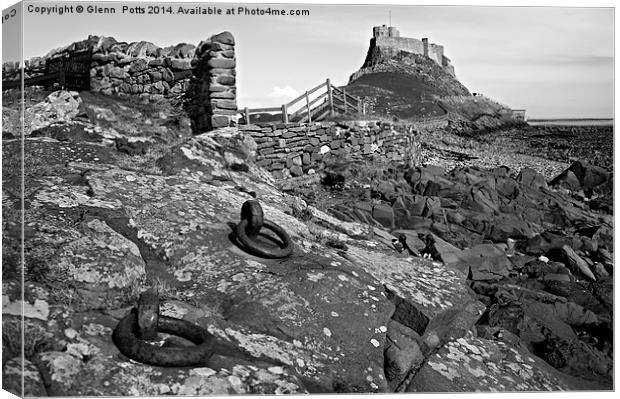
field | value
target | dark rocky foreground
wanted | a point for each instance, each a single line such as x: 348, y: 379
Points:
x: 403, y: 278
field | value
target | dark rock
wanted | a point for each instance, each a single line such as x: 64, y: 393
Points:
x: 441, y: 250
x: 576, y: 263
x: 296, y: 170
x: 383, y: 214
x: 452, y: 324
x: 131, y: 148
x: 530, y: 178
x: 411, y: 241
x: 19, y: 370
x: 486, y: 262
x: 403, y: 352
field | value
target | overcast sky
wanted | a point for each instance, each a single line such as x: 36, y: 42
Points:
x: 554, y: 62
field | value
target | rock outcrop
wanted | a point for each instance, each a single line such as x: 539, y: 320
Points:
x: 347, y: 312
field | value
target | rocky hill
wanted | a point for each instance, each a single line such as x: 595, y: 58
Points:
x: 402, y: 277
x: 398, y: 79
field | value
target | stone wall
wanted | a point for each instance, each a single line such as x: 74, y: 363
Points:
x: 212, y: 99
x: 140, y: 68
x: 204, y: 76
x: 293, y: 150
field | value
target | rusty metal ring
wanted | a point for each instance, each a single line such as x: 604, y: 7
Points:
x: 126, y: 339
x: 253, y: 213
x: 285, y: 248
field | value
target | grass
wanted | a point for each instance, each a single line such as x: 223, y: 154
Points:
x: 145, y: 163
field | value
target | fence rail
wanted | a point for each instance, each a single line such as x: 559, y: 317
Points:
x: 325, y: 104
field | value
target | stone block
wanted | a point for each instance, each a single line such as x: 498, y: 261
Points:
x: 220, y: 121
x: 228, y: 54
x: 225, y: 95
x: 139, y: 65
x: 222, y: 72
x: 305, y: 159
x: 155, y: 76
x: 224, y: 63
x: 224, y: 104
x: 225, y: 80
x: 296, y: 170
x: 180, y: 64
x: 223, y: 38
x: 218, y: 88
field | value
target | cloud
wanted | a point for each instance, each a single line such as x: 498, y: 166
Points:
x: 283, y: 92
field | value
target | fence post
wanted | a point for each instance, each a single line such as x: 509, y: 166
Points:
x: 308, y: 107
x: 344, y: 99
x: 330, y: 97
x: 284, y: 114
x: 246, y: 113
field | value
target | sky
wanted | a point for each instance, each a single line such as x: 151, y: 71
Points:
x: 555, y: 62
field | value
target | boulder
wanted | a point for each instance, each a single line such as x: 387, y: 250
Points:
x: 411, y: 241
x: 403, y: 352
x: 475, y: 364
x: 485, y: 262
x: 581, y: 176
x: 443, y: 251
x: 576, y: 263
x: 383, y: 214
x: 530, y: 178
x: 19, y: 370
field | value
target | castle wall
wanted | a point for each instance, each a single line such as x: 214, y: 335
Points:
x: 401, y: 43
x: 295, y: 150
x: 384, y: 36
x: 435, y: 53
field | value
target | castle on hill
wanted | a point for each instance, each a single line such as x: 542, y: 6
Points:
x: 384, y: 36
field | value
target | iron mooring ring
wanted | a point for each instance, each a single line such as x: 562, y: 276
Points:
x: 252, y: 220
x: 131, y: 332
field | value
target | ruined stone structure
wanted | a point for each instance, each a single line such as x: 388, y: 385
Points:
x: 389, y: 37
x: 294, y: 149
x: 213, y: 96
x: 204, y: 76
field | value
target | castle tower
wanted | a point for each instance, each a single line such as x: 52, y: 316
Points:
x: 425, y: 46
x: 379, y: 31
x: 393, y: 32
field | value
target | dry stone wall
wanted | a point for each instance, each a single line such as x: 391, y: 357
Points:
x: 294, y: 150
x: 140, y: 68
x: 204, y: 76
x: 212, y: 97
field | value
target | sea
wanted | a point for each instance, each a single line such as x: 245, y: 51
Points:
x: 571, y: 122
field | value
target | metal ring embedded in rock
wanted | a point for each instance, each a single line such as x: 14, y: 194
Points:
x: 124, y: 336
x: 253, y: 213
x: 284, y: 249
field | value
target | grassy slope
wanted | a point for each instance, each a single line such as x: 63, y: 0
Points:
x: 397, y: 94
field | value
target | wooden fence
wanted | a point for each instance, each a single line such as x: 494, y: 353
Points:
x: 70, y: 70
x: 328, y: 100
